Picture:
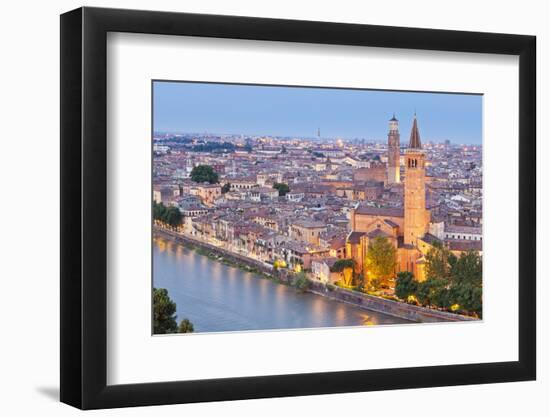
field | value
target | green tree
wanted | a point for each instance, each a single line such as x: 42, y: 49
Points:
x: 452, y: 283
x: 186, y: 326
x: 226, y: 187
x: 466, y: 282
x: 169, y: 215
x: 380, y: 260
x: 172, y: 216
x: 204, y: 173
x: 430, y: 292
x: 164, y: 312
x: 300, y: 281
x: 442, y: 296
x: 405, y: 285
x: 452, y: 261
x: 437, y: 261
x: 468, y: 297
x: 345, y: 264
x: 282, y: 188
x: 159, y: 211
x: 341, y: 264
x: 467, y: 269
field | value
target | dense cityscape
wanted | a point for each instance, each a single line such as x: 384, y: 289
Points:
x: 354, y: 213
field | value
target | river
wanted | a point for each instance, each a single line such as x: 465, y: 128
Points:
x: 217, y: 297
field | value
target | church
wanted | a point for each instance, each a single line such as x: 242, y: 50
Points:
x: 406, y: 227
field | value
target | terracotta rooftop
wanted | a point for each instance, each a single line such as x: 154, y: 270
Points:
x: 380, y: 211
x: 463, y: 229
x: 430, y: 239
x: 355, y: 237
x: 465, y: 245
x: 309, y: 224
x: 377, y: 233
x: 390, y: 223
x: 330, y: 261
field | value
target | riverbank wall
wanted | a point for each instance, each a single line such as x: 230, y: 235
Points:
x: 382, y: 305
x: 361, y: 300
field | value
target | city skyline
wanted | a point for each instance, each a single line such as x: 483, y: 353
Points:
x: 300, y: 111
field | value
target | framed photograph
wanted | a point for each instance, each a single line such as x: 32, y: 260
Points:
x: 257, y: 208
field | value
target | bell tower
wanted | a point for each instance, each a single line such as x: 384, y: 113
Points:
x: 393, y: 151
x: 416, y: 216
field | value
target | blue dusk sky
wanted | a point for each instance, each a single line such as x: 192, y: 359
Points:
x: 299, y: 111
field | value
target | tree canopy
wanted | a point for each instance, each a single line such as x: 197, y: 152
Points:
x: 405, y: 285
x: 341, y: 264
x: 433, y: 291
x: 204, y: 173
x: 437, y: 262
x: 282, y: 187
x: 380, y: 260
x: 466, y: 281
x: 186, y: 326
x: 170, y: 215
x: 213, y: 147
x: 452, y: 282
x: 300, y: 281
x: 346, y: 269
x: 164, y: 315
x: 226, y: 187
x: 467, y: 269
x: 164, y: 312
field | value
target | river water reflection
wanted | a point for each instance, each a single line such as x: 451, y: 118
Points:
x: 217, y: 297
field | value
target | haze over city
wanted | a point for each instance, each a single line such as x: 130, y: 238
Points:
x: 300, y: 112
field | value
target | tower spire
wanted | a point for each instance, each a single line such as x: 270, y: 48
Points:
x: 414, y: 142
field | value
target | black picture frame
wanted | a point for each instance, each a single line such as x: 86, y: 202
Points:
x: 84, y: 207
